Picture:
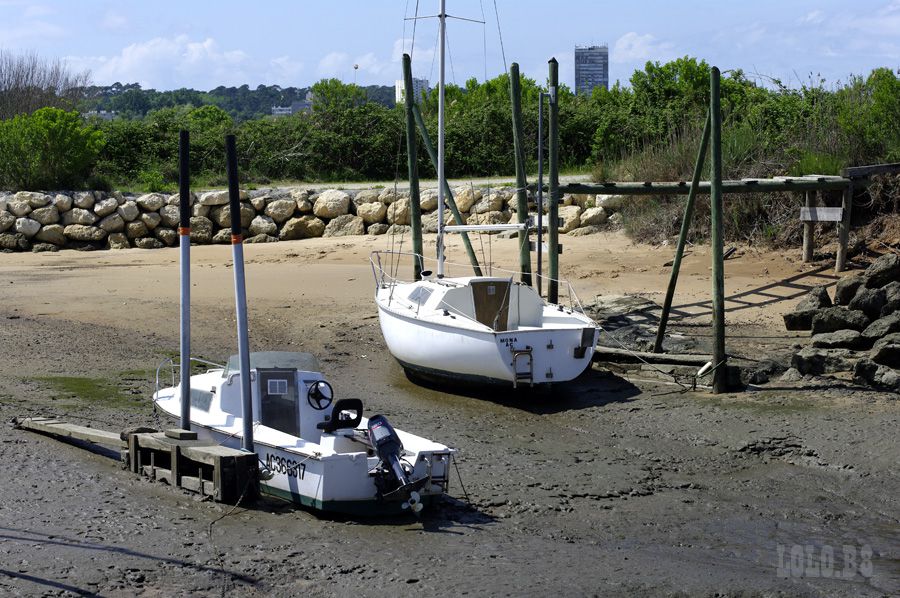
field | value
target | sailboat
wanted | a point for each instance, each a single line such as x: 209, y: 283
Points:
x: 482, y: 330
x: 313, y: 450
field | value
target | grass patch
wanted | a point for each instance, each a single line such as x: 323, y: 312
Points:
x: 97, y: 391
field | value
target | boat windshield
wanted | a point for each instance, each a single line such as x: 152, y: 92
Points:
x: 305, y: 362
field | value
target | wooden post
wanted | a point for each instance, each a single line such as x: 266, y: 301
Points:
x: 718, y: 261
x: 682, y: 238
x: 844, y: 230
x: 809, y: 229
x: 553, y: 143
x: 415, y: 209
x: 448, y: 195
x: 515, y: 95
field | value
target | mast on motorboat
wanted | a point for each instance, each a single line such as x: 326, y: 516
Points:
x: 240, y: 292
x: 184, y: 235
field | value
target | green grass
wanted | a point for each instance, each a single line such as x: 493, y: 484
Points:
x: 98, y: 391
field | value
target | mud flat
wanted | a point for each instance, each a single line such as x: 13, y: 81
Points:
x: 608, y: 486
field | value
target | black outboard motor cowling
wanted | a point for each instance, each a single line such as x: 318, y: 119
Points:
x: 388, y: 447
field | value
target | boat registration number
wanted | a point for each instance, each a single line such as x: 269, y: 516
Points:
x: 508, y: 341
x: 288, y: 467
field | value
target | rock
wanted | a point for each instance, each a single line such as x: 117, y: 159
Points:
x: 305, y: 206
x: 367, y: 196
x: 151, y: 219
x: 891, y: 298
x: 281, y: 209
x: 822, y: 361
x: 430, y: 221
x: 4, y: 198
x: 840, y: 339
x: 594, y: 217
x: 378, y: 228
x: 799, y: 319
x: 762, y: 371
x: 259, y: 203
x: 428, y: 199
x: 79, y: 216
x: 42, y: 247
x: 300, y: 196
x: 151, y: 202
x: 218, y: 198
x: 345, y: 226
x: 33, y: 199
x: 62, y: 202
x: 887, y: 354
x: 222, y: 237
x: 304, y: 227
x: 398, y: 230
x: 84, y: 200
x: 466, y: 196
x: 106, y: 207
x: 129, y: 211
x: 882, y: 271
x: 51, y: 233
x: 14, y: 241
x: 585, y: 230
x: 615, y: 220
x: 846, y: 289
x: 47, y: 215
x: 221, y: 215
x: 611, y: 203
x: 869, y: 373
x: 118, y: 241
x: 27, y: 226
x: 835, y: 318
x: 166, y: 235
x: 261, y: 239
x: 201, y: 210
x: 82, y: 232
x: 170, y: 216
x: 331, y: 204
x: 136, y: 229
x: 869, y: 301
x: 791, y: 375
x: 491, y: 203
x: 571, y: 218
x: 398, y: 212
x: 388, y: 196
x: 882, y: 327
x: 112, y: 224
x: 7, y: 221
x: 148, y: 242
x: 263, y: 225
x: 18, y: 207
x: 494, y: 217
x: 201, y: 230
x: 372, y: 212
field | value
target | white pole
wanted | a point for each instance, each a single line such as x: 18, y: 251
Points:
x: 440, y: 237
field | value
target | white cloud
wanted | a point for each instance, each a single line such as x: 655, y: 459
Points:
x: 632, y: 47
x: 815, y: 17
x: 114, y: 21
x: 25, y: 34
x: 284, y: 70
x: 334, y: 64
x: 167, y: 63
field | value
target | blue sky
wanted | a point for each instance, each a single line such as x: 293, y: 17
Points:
x: 167, y: 44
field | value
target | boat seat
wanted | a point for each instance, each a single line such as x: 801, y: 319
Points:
x: 336, y: 422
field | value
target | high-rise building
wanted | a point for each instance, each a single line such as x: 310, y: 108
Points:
x: 591, y: 68
x: 419, y: 86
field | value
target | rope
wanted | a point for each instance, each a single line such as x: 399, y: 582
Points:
x: 500, y: 33
x: 459, y: 477
x: 483, y: 38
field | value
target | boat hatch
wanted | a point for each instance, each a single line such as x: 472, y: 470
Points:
x: 491, y: 298
x: 278, y: 400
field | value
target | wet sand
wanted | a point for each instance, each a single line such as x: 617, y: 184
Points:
x: 606, y: 486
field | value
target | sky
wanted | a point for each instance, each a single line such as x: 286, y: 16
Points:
x: 201, y: 44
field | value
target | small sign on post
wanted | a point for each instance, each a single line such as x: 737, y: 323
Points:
x: 816, y: 214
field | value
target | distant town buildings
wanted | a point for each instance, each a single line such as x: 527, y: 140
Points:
x: 419, y: 86
x: 304, y: 105
x: 591, y: 68
x: 100, y: 114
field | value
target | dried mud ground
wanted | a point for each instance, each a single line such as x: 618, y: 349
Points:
x: 608, y: 486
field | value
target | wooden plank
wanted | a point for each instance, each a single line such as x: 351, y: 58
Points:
x: 209, y: 454
x: 61, y: 429
x: 625, y: 356
x: 181, y: 434
x: 862, y: 171
x: 818, y: 214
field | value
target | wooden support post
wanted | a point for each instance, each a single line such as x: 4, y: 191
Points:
x: 415, y: 209
x: 682, y: 239
x: 720, y: 367
x: 515, y: 95
x: 448, y: 195
x: 809, y: 229
x: 844, y: 230
x: 553, y: 143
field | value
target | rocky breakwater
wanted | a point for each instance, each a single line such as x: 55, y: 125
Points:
x: 858, y: 331
x: 86, y: 220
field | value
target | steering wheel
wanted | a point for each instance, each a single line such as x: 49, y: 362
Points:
x: 320, y: 395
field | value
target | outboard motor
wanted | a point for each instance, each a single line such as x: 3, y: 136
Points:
x: 388, y: 447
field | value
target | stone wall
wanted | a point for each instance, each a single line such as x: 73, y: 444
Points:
x: 39, y: 221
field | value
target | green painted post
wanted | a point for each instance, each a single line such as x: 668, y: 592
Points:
x: 415, y: 207
x: 515, y: 95
x: 718, y: 262
x: 682, y: 239
x: 553, y: 142
x: 448, y: 195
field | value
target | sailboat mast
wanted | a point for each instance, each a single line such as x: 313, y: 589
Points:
x: 440, y: 238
